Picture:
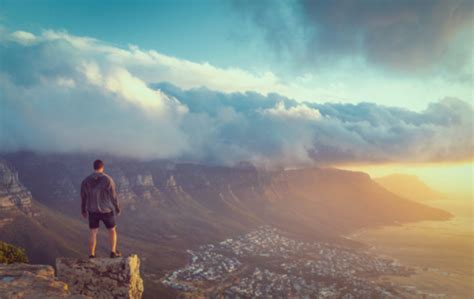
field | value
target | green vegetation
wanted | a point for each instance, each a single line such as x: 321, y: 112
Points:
x: 11, y: 254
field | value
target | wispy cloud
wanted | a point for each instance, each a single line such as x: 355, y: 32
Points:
x: 61, y: 92
x: 23, y: 37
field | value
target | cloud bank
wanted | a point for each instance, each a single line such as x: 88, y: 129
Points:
x: 402, y: 35
x: 63, y: 93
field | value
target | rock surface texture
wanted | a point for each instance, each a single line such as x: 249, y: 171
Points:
x: 13, y: 195
x: 15, y: 199
x: 32, y: 281
x: 102, y: 277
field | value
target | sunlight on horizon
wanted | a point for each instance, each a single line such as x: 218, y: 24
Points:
x: 455, y: 179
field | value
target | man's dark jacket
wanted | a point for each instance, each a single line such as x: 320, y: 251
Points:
x: 98, y: 194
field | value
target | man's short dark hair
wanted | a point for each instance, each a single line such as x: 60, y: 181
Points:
x: 98, y: 164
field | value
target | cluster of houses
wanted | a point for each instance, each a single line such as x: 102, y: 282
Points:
x: 266, y: 263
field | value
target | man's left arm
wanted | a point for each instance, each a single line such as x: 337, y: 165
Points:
x: 114, y: 197
x: 83, y: 200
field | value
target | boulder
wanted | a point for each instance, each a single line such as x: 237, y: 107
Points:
x: 102, y: 277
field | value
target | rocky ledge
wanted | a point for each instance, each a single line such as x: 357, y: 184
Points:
x: 32, y: 281
x: 76, y: 279
x: 102, y: 277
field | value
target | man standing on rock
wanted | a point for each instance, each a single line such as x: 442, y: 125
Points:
x: 98, y: 201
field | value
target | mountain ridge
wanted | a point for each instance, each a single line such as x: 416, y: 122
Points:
x: 170, y: 207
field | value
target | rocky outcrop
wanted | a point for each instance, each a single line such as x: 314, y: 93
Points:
x: 124, y: 190
x: 145, y: 180
x: 13, y: 195
x: 145, y: 188
x: 172, y: 185
x: 102, y: 277
x: 32, y: 281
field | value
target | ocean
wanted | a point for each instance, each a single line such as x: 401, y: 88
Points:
x: 440, y: 251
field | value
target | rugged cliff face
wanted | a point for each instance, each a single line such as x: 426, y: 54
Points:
x: 56, y: 181
x: 145, y: 188
x: 14, y: 197
x: 125, y: 191
x: 167, y: 199
x: 76, y: 278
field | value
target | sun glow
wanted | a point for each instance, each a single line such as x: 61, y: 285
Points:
x: 452, y: 178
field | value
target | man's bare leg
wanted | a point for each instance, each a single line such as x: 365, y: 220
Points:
x: 93, y: 241
x: 113, y: 239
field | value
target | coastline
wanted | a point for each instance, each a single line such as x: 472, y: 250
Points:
x: 441, y: 252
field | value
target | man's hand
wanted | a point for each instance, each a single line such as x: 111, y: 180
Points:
x: 84, y: 215
x: 118, y: 212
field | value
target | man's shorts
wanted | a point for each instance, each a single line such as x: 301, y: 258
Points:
x: 107, y: 218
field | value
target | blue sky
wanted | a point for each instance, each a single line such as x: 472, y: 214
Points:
x: 194, y: 30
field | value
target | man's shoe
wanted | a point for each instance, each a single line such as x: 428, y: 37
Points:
x: 115, y: 254
x: 92, y: 256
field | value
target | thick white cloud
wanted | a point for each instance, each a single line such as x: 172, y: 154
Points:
x: 300, y: 111
x: 66, y: 93
x: 119, y: 81
x: 59, y: 94
x: 152, y: 66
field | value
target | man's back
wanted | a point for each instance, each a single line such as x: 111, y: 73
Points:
x: 98, y: 200
x: 98, y: 193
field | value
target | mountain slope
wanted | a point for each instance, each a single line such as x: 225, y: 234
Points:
x: 342, y: 201
x: 170, y: 207
x: 409, y: 186
x: 166, y: 200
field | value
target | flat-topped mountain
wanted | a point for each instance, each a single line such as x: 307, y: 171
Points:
x: 169, y: 207
x: 184, y: 196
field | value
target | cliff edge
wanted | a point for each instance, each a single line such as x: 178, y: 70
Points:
x: 75, y: 278
x: 102, y: 277
x: 32, y: 281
